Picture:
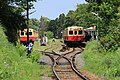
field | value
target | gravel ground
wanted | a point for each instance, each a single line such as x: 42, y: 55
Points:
x: 79, y: 61
x: 45, y: 60
x: 45, y: 77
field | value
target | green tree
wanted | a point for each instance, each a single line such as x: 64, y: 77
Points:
x: 49, y: 34
x: 56, y: 26
x: 108, y: 29
x: 60, y: 24
x: 84, y: 17
x: 52, y: 27
x: 44, y: 22
x: 80, y: 17
x: 70, y: 19
x: 34, y: 23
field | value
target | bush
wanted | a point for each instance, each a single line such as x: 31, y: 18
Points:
x: 109, y: 43
x: 104, y: 63
x: 14, y: 65
x: 49, y: 34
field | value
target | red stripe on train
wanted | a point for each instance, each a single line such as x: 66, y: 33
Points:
x: 73, y: 38
x: 24, y: 38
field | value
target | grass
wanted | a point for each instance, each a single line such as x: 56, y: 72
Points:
x: 14, y: 64
x: 104, y: 64
x: 50, y: 45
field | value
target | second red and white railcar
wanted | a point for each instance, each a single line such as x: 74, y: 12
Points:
x: 73, y: 35
x: 33, y: 35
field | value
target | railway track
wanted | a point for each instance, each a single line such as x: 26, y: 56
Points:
x: 63, y: 65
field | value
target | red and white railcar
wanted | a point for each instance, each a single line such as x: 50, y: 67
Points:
x: 73, y: 35
x: 33, y: 35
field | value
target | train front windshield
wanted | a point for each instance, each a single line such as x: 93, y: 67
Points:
x: 30, y: 33
x: 75, y: 32
x: 70, y: 32
x: 22, y: 33
x: 80, y: 31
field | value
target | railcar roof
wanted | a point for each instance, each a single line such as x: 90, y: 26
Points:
x: 30, y: 29
x: 75, y: 27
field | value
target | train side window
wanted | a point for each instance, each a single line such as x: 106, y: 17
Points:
x: 80, y: 31
x: 22, y: 33
x: 75, y: 32
x: 70, y: 32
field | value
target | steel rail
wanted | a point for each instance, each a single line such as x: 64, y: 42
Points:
x: 65, y: 54
x: 71, y: 61
x: 72, y: 64
x: 75, y: 69
x: 54, y: 63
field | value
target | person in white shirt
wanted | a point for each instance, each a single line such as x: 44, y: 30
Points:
x: 45, y: 39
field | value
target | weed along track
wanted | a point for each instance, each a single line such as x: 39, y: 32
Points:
x: 63, y: 64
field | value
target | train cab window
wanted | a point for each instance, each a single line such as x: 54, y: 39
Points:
x: 22, y: 33
x: 75, y: 32
x: 80, y: 32
x: 70, y: 32
x: 30, y: 33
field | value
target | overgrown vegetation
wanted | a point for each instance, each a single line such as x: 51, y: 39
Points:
x: 103, y: 63
x: 108, y: 22
x: 14, y: 64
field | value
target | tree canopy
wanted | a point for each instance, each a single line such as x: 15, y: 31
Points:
x: 108, y: 11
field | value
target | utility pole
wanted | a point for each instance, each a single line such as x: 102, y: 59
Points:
x: 97, y: 24
x: 28, y: 52
x: 27, y: 22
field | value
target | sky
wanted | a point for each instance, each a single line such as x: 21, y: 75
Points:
x: 53, y: 8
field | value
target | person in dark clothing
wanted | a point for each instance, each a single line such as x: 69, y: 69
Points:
x: 29, y: 47
x: 87, y: 36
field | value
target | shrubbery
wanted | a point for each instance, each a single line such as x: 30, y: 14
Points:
x: 14, y: 64
x: 49, y: 34
x: 111, y: 40
x: 102, y: 63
